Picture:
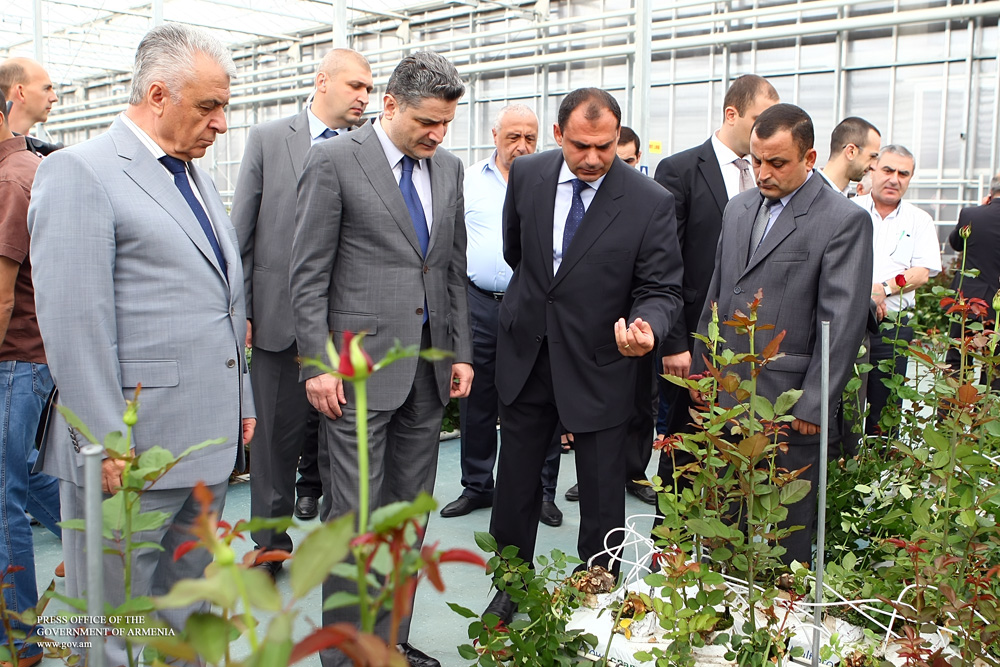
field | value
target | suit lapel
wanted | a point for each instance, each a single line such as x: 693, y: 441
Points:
x: 373, y: 162
x: 708, y: 166
x: 217, y: 214
x: 545, y: 204
x: 154, y: 180
x: 298, y: 142
x: 798, y: 207
x: 438, y: 198
x: 601, y: 212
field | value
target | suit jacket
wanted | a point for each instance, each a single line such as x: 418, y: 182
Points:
x: 980, y: 252
x: 264, y: 217
x: 356, y: 263
x: 814, y: 264
x: 622, y: 262
x: 694, y: 178
x: 129, y: 291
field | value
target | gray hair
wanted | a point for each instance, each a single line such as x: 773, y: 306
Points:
x: 898, y: 149
x: 995, y: 185
x: 423, y: 75
x: 167, y: 54
x: 516, y: 109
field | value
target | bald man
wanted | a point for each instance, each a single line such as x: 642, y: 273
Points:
x: 264, y: 216
x: 27, y: 86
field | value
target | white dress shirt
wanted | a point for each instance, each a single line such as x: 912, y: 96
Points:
x: 158, y: 152
x: 485, y: 191
x: 318, y: 127
x: 421, y: 171
x: 564, y: 201
x: 779, y: 206
x: 903, y: 239
x: 730, y: 171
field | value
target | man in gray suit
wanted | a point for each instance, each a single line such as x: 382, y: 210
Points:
x: 379, y: 247
x: 138, y: 280
x: 264, y: 218
x: 807, y: 248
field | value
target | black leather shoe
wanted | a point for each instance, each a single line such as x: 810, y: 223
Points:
x: 464, y: 505
x: 573, y: 493
x: 416, y: 657
x: 306, y: 508
x: 502, y: 607
x: 643, y: 493
x: 550, y: 516
x: 272, y: 567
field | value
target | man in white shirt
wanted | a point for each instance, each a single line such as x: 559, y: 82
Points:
x: 853, y: 151
x: 907, y: 251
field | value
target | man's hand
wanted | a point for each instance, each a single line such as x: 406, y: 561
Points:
x: 326, y: 394
x: 111, y: 475
x: 880, y: 311
x: 878, y: 294
x: 249, y: 424
x: 249, y: 341
x: 678, y: 365
x: 804, y: 427
x: 634, y: 340
x: 461, y: 380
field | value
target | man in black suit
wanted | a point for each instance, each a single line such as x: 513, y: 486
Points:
x: 980, y: 253
x: 703, y: 180
x: 596, y: 281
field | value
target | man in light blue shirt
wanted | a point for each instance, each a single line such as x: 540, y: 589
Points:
x: 515, y: 133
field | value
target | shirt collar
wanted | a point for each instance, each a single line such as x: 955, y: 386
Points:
x: 723, y: 153
x: 565, y: 175
x: 13, y: 145
x: 392, y: 154
x: 316, y: 126
x: 146, y: 140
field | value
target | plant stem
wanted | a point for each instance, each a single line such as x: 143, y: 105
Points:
x: 361, y: 407
x: 248, y: 617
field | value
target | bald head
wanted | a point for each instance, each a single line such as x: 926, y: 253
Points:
x: 343, y: 84
x: 27, y: 86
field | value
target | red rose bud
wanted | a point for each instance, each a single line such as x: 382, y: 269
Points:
x: 965, y: 232
x: 901, y: 280
x: 354, y: 361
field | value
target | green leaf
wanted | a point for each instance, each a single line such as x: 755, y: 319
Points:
x: 786, y: 400
x: 339, y: 600
x: 148, y: 520
x: 116, y: 443
x: 201, y: 445
x: 462, y: 611
x: 394, y: 515
x: 73, y: 524
x: 486, y: 541
x: 701, y: 527
x: 323, y: 548
x: 261, y: 591
x: 76, y: 423
x: 218, y: 587
x: 935, y: 439
x: 763, y: 407
x: 210, y: 634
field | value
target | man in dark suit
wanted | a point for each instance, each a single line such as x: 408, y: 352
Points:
x: 981, y: 252
x: 596, y: 281
x: 703, y: 180
x: 809, y: 250
x: 264, y: 217
x: 379, y: 246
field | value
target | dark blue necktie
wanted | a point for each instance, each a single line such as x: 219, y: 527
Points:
x: 328, y: 133
x: 178, y: 169
x: 575, y: 217
x: 413, y: 204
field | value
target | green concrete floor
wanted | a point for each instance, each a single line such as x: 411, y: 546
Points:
x: 435, y: 629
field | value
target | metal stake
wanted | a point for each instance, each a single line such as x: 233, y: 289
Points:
x: 94, y: 539
x: 824, y: 449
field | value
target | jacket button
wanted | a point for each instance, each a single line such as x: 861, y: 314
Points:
x: 551, y: 300
x: 737, y: 290
x: 231, y: 363
x: 427, y: 269
x: 232, y: 312
x: 538, y: 339
x: 420, y: 311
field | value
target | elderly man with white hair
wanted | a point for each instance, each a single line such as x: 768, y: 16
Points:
x: 138, y: 281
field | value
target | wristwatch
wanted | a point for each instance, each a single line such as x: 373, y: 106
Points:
x: 888, y: 290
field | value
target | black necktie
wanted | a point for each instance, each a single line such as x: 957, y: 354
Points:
x: 177, y: 167
x: 575, y: 217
